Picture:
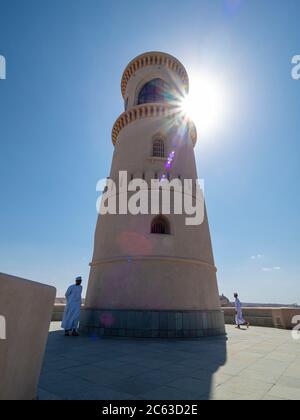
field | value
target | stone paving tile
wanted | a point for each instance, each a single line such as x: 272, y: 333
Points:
x: 271, y: 398
x: 262, y: 376
x: 205, y: 364
x: 293, y: 371
x: 247, y: 356
x: 51, y: 378
x: 169, y: 393
x: 149, y: 363
x: 269, y: 365
x: 158, y: 377
x: 127, y: 369
x: 259, y: 363
x: 238, y: 385
x: 134, y: 386
x: 62, y: 363
x: 103, y: 393
x: 218, y: 378
x: 69, y: 388
x: 143, y: 384
x: 47, y: 396
x: 226, y: 394
x: 183, y: 370
x: 290, y: 349
x: 93, y: 356
x: 97, y: 376
x: 288, y: 393
x: 193, y: 385
x: 233, y: 368
x: 112, y: 364
x: 287, y: 381
x: 281, y: 356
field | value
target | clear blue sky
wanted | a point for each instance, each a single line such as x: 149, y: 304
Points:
x: 62, y: 95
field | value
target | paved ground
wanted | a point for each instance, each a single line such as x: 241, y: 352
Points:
x: 259, y: 363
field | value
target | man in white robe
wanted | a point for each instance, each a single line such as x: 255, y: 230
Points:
x: 72, y: 311
x: 239, y: 320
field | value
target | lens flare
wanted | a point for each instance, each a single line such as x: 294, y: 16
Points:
x: 205, y: 104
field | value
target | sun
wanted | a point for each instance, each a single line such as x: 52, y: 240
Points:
x: 205, y: 105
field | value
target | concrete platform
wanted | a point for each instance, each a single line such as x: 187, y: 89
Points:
x: 257, y: 364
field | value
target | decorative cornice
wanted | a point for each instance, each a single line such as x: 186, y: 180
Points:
x: 151, y: 110
x: 152, y: 59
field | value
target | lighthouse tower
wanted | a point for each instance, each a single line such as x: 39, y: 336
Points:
x: 152, y: 275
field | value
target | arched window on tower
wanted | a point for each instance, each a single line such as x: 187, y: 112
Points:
x: 158, y: 149
x: 157, y: 90
x: 160, y: 225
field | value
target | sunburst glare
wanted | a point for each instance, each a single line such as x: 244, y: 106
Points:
x: 206, y: 103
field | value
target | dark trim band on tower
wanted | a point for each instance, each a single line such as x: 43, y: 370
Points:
x: 153, y: 323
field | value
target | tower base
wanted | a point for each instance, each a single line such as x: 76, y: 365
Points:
x: 152, y: 324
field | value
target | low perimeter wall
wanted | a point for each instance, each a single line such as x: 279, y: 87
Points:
x: 284, y: 318
x: 58, y: 312
x: 260, y: 317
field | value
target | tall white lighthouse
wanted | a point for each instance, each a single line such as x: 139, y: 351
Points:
x: 153, y: 275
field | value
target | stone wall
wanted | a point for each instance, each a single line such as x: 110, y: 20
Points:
x: 58, y: 312
x: 260, y: 317
x: 25, y: 312
x: 265, y: 317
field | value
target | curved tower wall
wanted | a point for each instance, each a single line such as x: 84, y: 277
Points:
x: 141, y: 283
